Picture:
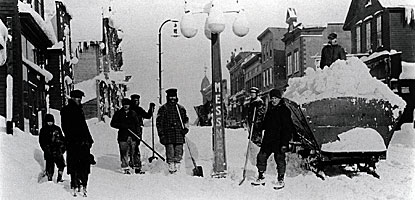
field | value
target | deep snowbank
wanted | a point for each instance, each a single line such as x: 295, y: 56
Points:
x: 22, y: 161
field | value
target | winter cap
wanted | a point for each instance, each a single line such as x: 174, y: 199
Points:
x: 275, y: 93
x: 126, y: 101
x: 332, y: 36
x: 254, y: 90
x: 172, y: 92
x: 77, y: 94
x: 49, y: 118
x: 135, y: 96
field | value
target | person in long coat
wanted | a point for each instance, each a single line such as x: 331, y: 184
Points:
x: 172, y: 128
x: 279, y: 129
x: 126, y: 120
x: 255, y: 104
x: 79, y: 141
x: 52, y: 142
x: 141, y: 115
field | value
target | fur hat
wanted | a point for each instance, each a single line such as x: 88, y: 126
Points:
x: 172, y: 92
x: 77, y: 94
x: 135, y: 96
x: 275, y: 93
x: 126, y: 101
x: 49, y: 118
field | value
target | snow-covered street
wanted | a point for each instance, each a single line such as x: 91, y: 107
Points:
x: 22, y: 162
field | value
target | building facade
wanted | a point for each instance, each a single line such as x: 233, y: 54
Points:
x: 237, y: 91
x: 381, y: 24
x: 26, y: 62
x: 272, y: 59
x: 60, y: 58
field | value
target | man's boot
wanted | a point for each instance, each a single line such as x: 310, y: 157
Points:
x: 59, y: 179
x: 260, y: 179
x: 172, y: 168
x: 84, y: 193
x: 280, y: 182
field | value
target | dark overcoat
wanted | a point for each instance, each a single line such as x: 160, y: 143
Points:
x: 126, y: 120
x: 52, y: 141
x: 278, y: 127
x: 78, y: 138
x: 169, y: 127
x: 141, y: 113
x: 331, y: 53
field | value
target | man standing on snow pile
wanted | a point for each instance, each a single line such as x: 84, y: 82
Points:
x: 126, y: 120
x: 278, y: 128
x: 331, y: 52
x: 255, y: 104
x: 171, y: 127
x: 141, y: 114
x: 79, y: 142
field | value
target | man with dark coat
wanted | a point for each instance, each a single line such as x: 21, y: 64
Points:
x: 126, y: 120
x: 331, y: 52
x: 171, y: 125
x: 255, y: 104
x: 52, y: 142
x: 278, y: 128
x: 79, y: 141
x: 141, y: 114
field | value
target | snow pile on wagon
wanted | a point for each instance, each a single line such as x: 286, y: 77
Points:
x: 349, y: 78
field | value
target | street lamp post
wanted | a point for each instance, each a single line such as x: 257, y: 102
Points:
x: 160, y: 52
x: 213, y: 27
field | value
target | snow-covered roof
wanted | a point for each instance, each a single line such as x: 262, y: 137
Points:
x: 46, y: 26
x: 377, y: 54
x: 48, y: 76
x: 396, y: 3
x: 408, y: 71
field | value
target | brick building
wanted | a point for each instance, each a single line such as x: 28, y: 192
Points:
x: 272, y: 59
x: 303, y: 43
x: 376, y: 23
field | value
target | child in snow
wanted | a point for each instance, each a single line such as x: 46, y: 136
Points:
x: 52, y: 142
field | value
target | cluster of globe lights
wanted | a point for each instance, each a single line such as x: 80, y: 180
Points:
x: 215, y: 22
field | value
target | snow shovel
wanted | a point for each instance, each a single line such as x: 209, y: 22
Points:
x: 152, y: 149
x: 247, y: 149
x: 198, y: 170
x: 152, y: 141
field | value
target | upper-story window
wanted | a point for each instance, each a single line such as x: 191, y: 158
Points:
x: 358, y: 39
x: 289, y: 65
x: 270, y: 49
x: 296, y: 61
x: 368, y: 35
x: 379, y: 30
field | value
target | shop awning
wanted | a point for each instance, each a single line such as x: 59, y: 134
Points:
x: 48, y: 76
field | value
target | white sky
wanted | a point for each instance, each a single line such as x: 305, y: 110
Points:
x: 184, y: 59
